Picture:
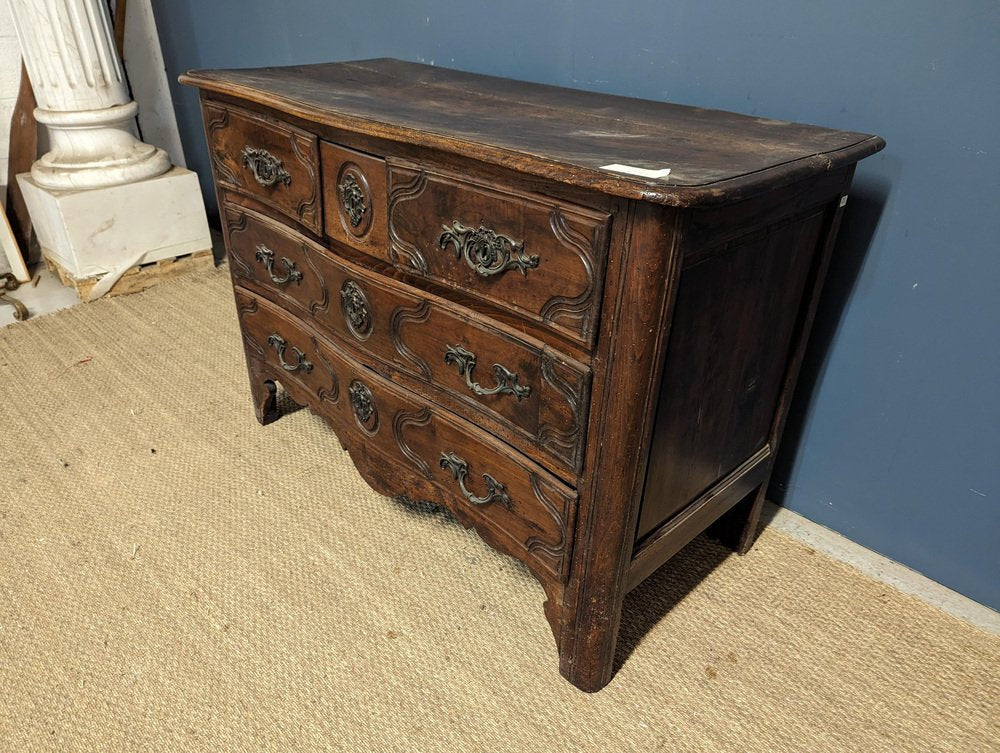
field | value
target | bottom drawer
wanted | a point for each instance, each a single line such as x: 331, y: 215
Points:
x: 408, y: 445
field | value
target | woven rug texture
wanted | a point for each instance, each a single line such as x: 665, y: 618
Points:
x: 173, y: 576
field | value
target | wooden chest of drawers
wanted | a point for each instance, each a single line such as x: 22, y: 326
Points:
x: 590, y: 365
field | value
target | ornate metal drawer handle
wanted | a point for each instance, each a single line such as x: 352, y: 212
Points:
x: 278, y: 343
x: 496, y: 492
x: 266, y: 257
x: 486, y: 251
x: 266, y: 168
x: 506, y: 380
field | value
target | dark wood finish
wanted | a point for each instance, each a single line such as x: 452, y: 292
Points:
x: 551, y: 253
x: 742, y: 483
x: 347, y: 170
x: 404, y: 431
x: 562, y: 134
x: 496, y: 313
x: 738, y: 527
x: 659, y: 324
x: 725, y: 360
x: 634, y: 335
x: 22, y: 152
x: 410, y: 333
x: 118, y: 20
x: 231, y: 131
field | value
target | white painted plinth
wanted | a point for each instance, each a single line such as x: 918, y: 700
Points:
x: 93, y: 232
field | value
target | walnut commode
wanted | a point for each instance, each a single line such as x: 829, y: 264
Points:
x: 481, y: 288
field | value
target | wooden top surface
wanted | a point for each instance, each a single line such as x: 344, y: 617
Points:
x: 562, y: 134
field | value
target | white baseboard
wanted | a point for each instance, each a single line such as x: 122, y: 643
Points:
x: 881, y: 568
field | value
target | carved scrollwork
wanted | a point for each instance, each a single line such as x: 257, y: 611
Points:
x: 310, y: 289
x: 246, y: 307
x: 400, y: 422
x: 465, y: 360
x: 400, y: 316
x: 485, y: 251
x: 332, y: 393
x: 304, y: 147
x: 495, y: 491
x: 564, y: 442
x: 398, y: 247
x: 357, y: 312
x: 555, y: 551
x: 217, y: 119
x: 267, y: 169
x: 234, y: 225
x: 579, y: 307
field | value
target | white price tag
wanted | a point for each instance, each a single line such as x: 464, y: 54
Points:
x: 642, y: 172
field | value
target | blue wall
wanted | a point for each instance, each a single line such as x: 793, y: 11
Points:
x: 895, y: 437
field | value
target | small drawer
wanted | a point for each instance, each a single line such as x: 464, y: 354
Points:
x: 353, y: 198
x: 513, y: 502
x: 534, y: 255
x: 275, y: 163
x: 480, y: 369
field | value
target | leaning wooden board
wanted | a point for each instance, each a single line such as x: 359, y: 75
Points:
x: 590, y: 365
x: 22, y: 152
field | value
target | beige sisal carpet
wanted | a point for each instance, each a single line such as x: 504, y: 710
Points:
x: 175, y: 577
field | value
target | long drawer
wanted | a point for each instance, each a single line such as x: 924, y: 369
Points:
x: 474, y: 366
x: 507, y: 497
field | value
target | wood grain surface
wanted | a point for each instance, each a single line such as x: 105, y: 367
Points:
x: 562, y: 134
x: 591, y: 369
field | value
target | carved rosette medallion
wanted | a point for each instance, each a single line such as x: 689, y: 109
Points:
x: 363, y: 405
x: 355, y: 199
x: 357, y: 312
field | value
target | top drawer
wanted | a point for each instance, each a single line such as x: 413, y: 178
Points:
x: 273, y: 162
x: 534, y: 255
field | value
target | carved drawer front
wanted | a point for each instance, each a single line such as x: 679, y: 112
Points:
x: 537, y: 256
x: 484, y: 369
x: 274, y: 162
x: 410, y: 444
x: 275, y: 258
x: 354, y: 197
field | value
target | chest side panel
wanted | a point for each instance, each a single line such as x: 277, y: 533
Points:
x: 730, y: 339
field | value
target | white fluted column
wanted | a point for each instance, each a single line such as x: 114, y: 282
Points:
x: 101, y: 201
x: 83, y: 100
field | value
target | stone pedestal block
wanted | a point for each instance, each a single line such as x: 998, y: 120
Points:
x: 102, y: 230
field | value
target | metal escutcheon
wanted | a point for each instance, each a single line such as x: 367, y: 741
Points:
x: 357, y: 312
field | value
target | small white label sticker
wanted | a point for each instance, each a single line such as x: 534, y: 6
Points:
x: 843, y: 200
x: 642, y: 172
